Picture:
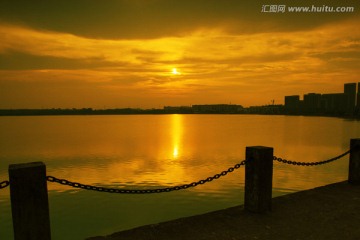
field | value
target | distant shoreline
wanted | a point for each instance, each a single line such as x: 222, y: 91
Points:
x: 133, y: 111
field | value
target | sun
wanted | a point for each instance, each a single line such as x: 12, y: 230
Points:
x: 175, y: 71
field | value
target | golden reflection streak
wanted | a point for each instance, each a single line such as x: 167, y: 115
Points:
x: 176, y: 152
x: 177, y: 131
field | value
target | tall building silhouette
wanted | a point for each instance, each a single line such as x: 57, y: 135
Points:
x: 350, y: 93
x: 292, y: 104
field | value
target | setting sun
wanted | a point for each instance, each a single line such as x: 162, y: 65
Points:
x: 175, y: 71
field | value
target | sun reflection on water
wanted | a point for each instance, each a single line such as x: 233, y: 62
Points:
x: 176, y: 152
x: 177, y: 132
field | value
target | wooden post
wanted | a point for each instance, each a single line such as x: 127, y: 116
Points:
x: 258, y: 179
x: 354, y: 162
x: 29, y: 201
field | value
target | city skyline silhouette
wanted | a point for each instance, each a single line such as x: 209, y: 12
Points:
x: 346, y: 103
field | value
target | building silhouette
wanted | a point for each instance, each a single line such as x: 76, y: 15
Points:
x: 350, y: 93
x: 358, y: 100
x: 312, y: 103
x: 292, y: 104
x: 333, y: 103
x: 339, y: 104
x: 217, y: 108
x: 178, y: 109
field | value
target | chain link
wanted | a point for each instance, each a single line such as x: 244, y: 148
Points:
x: 142, y: 191
x: 4, y: 184
x: 282, y: 160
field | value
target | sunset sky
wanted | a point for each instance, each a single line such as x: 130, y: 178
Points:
x: 153, y: 53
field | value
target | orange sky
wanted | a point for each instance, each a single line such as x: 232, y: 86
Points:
x: 122, y: 53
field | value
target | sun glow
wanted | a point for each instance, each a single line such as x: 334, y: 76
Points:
x: 175, y: 71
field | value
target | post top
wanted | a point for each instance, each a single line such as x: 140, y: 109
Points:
x: 26, y: 165
x: 259, y: 147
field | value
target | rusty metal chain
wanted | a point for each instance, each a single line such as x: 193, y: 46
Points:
x: 4, y: 184
x: 142, y: 191
x: 311, y: 163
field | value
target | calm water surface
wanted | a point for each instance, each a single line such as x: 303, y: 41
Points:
x: 139, y: 151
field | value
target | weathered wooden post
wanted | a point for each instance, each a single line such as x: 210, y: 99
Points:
x: 29, y: 201
x: 354, y: 162
x: 258, y: 179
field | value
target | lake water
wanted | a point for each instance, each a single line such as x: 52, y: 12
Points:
x: 139, y: 151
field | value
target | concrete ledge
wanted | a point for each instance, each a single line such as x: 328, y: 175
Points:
x: 331, y: 212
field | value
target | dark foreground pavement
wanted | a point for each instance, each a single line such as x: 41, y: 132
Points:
x: 331, y: 212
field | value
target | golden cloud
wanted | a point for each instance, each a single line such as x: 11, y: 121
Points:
x: 206, y: 58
